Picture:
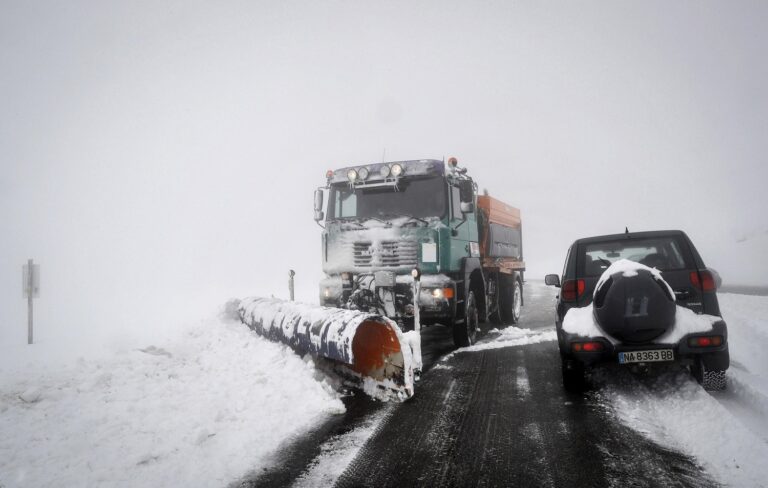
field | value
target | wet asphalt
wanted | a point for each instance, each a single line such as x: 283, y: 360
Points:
x: 497, y: 417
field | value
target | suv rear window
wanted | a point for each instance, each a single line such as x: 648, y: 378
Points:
x: 662, y: 253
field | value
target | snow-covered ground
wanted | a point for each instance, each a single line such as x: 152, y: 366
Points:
x: 727, y: 432
x: 212, y: 404
x: 201, y: 410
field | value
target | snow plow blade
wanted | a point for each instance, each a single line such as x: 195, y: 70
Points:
x: 369, y: 351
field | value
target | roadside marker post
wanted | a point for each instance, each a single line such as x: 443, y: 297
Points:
x: 31, y: 289
x: 291, y: 274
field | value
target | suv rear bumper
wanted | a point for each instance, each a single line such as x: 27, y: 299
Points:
x: 713, y: 357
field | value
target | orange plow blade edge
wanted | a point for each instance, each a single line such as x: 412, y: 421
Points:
x: 367, y: 350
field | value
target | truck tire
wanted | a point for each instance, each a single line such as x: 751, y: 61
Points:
x: 710, y: 379
x: 495, y: 316
x: 510, y: 300
x: 465, y: 332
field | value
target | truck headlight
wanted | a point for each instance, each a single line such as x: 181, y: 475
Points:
x: 352, y: 175
x: 397, y: 170
x: 437, y: 293
x: 363, y: 173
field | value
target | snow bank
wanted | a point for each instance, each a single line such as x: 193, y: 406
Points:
x: 678, y: 413
x: 198, y: 411
x: 747, y: 319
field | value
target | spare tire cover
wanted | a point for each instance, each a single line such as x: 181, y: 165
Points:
x: 634, y: 309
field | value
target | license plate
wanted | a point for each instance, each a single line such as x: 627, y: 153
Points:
x: 384, y: 279
x: 650, y: 356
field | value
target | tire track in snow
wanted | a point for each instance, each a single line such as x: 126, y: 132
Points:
x: 339, y: 451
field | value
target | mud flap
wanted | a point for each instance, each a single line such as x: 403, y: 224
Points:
x: 368, y: 350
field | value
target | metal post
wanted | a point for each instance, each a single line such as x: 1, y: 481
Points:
x: 415, y: 335
x: 291, y: 274
x: 30, y: 287
x: 416, y: 314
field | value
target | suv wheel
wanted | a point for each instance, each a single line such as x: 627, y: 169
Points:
x: 710, y: 379
x: 464, y: 334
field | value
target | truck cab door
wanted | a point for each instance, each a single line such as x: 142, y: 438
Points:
x: 460, y: 230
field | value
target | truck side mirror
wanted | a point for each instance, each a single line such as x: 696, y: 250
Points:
x: 552, y: 280
x: 467, y: 207
x: 319, y: 215
x: 466, y: 191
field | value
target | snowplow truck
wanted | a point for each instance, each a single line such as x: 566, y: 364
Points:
x: 404, y: 243
x: 388, y: 224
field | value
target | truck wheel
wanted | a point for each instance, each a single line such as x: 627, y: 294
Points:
x: 574, y: 380
x: 464, y: 334
x: 495, y: 316
x: 510, y: 301
x: 710, y: 379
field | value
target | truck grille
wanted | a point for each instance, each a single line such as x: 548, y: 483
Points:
x: 385, y: 254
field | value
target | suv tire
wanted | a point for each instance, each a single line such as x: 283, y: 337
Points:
x: 710, y: 379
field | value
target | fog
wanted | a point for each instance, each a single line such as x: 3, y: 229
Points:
x: 157, y: 158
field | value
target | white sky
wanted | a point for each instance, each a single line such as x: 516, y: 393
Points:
x: 159, y: 157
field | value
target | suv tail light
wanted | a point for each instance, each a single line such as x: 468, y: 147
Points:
x: 703, y: 280
x: 587, y: 346
x: 705, y: 341
x: 572, y: 290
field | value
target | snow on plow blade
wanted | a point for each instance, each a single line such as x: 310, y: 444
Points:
x: 367, y: 349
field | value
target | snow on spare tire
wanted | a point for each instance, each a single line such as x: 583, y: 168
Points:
x: 589, y: 321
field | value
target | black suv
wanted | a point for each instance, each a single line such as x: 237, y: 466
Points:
x: 633, y: 310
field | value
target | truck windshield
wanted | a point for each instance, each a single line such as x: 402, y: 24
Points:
x: 423, y: 197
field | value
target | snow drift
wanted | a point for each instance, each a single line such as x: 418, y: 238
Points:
x: 202, y: 410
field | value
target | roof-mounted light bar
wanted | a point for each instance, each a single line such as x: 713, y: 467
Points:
x: 372, y: 173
